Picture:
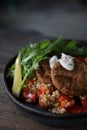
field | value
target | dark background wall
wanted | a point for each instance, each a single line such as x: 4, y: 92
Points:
x: 50, y: 17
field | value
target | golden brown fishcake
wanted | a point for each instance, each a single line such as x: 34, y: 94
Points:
x: 44, y: 72
x: 72, y: 83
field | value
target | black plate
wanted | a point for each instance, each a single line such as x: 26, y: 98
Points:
x: 39, y: 113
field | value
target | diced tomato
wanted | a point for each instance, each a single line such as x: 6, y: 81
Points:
x: 84, y: 103
x: 66, y: 102
x: 42, y: 103
x: 31, y: 96
x: 84, y: 110
x: 76, y: 109
x: 63, y: 103
x: 25, y: 94
x: 28, y: 95
x: 64, y: 97
x: 42, y: 90
x: 30, y: 82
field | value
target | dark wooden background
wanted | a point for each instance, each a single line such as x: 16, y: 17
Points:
x: 11, y: 117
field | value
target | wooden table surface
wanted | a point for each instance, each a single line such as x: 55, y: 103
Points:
x: 11, y: 117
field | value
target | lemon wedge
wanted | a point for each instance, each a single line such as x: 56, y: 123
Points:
x: 16, y: 89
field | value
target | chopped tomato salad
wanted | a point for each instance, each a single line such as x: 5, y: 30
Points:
x: 51, y: 99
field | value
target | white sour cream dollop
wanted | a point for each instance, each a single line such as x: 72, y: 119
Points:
x: 52, y: 61
x: 66, y: 61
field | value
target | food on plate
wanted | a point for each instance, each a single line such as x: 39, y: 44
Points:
x: 70, y: 82
x: 16, y: 89
x: 44, y: 72
x: 52, y: 74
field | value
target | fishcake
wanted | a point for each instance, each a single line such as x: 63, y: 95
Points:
x: 44, y: 72
x: 71, y: 83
